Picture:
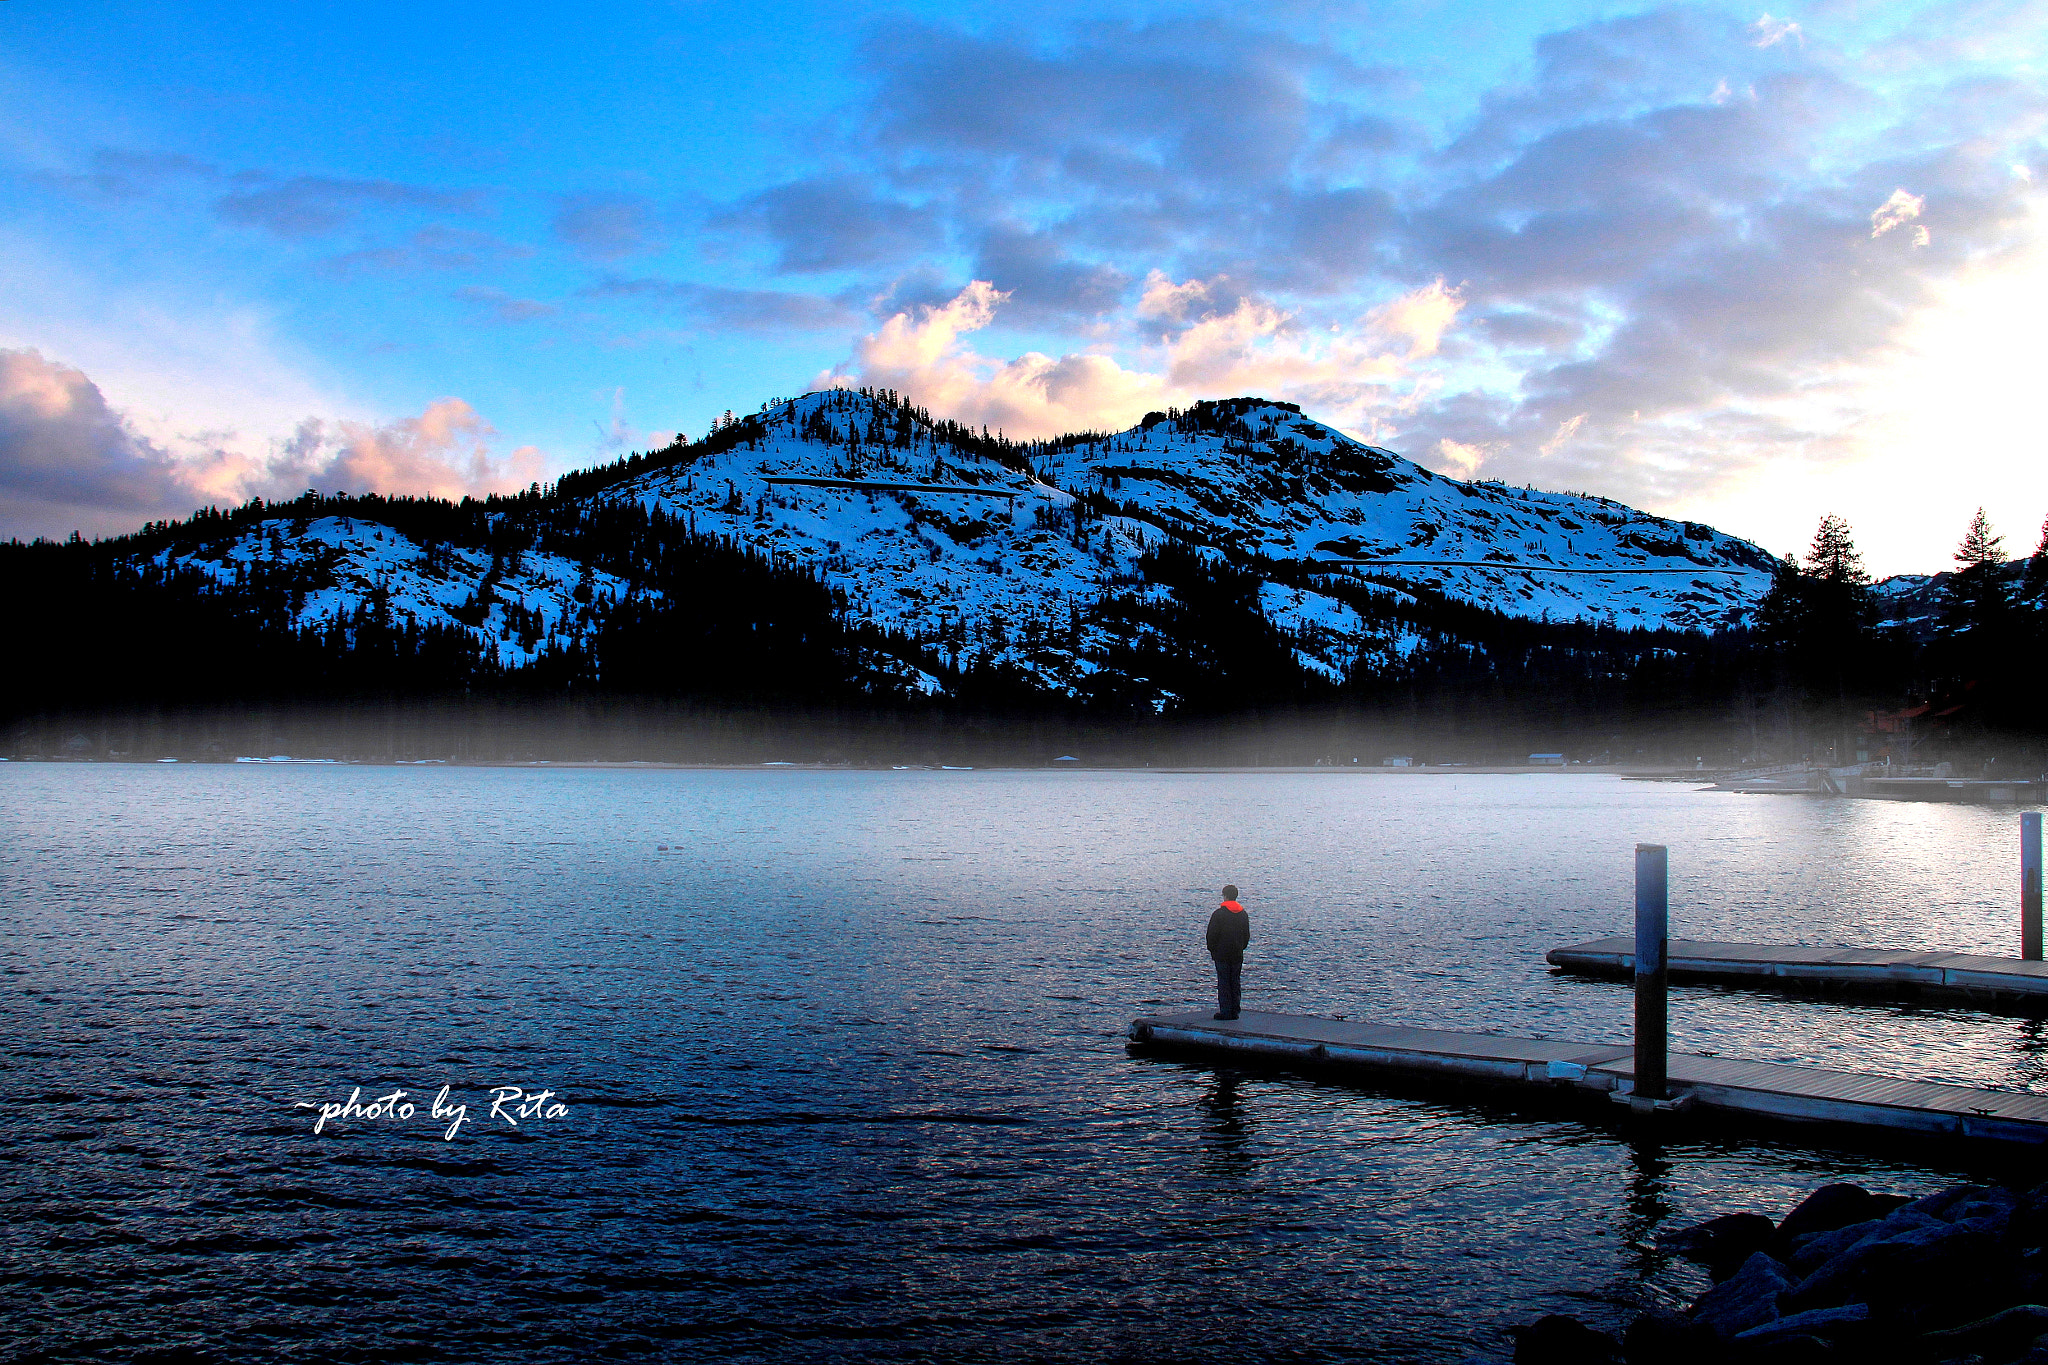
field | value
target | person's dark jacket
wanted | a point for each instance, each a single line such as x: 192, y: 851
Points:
x: 1230, y: 929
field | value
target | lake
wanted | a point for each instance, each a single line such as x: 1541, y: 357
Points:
x: 841, y: 1065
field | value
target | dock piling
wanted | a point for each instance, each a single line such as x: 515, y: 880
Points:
x: 2030, y: 886
x: 1653, y: 932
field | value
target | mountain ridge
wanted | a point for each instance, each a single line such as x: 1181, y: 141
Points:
x: 1093, y: 566
x: 1252, y: 480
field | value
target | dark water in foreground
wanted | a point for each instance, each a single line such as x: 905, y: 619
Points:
x: 844, y: 1068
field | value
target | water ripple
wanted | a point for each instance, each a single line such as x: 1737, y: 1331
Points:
x: 842, y: 1060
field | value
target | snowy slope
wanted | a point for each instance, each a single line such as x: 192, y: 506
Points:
x: 1911, y: 600
x: 996, y: 577
x: 517, y: 606
x: 1917, y: 602
x: 1030, y: 556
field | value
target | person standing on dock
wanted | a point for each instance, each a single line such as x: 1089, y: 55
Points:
x: 1230, y: 929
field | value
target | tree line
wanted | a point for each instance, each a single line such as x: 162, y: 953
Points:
x: 1953, y: 667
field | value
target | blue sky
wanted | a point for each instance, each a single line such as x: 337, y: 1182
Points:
x: 1741, y: 266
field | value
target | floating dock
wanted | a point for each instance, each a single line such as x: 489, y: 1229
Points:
x: 1872, y: 780
x: 1975, y: 789
x: 2006, y: 982
x: 1588, y: 1071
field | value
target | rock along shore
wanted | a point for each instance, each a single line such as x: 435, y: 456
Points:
x: 1956, y: 1278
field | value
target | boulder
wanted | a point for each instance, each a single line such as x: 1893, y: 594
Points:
x: 1722, y: 1244
x: 2029, y: 1275
x: 2028, y: 1226
x: 1942, y: 1202
x: 1998, y: 1337
x: 1561, y: 1340
x: 1661, y: 1337
x: 1880, y: 1255
x: 1815, y: 1250
x: 1834, y: 1206
x: 1989, y: 1214
x: 1752, y: 1295
x: 1800, y: 1350
x: 1829, y: 1324
x: 1928, y: 1276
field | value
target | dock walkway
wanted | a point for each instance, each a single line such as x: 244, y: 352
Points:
x: 2001, y: 981
x: 1762, y: 1090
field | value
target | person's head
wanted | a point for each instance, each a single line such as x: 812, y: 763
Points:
x: 1230, y: 893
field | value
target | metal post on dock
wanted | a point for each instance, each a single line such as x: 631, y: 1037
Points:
x: 1653, y: 932
x: 2030, y: 886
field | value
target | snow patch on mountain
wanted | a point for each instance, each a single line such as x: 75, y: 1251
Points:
x: 1002, y: 563
x: 1034, y: 556
x: 518, y: 605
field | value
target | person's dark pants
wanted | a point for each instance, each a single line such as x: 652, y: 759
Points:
x: 1227, y: 974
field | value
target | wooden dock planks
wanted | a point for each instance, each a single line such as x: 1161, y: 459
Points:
x: 1475, y: 1056
x: 1765, y: 1090
x: 1968, y: 976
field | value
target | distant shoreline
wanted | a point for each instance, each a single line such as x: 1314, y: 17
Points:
x: 1354, y: 770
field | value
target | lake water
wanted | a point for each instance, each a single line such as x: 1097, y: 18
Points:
x: 844, y: 1065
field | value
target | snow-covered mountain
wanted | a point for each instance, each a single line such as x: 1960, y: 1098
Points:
x: 1033, y: 546
x: 1034, y: 555
x: 517, y: 604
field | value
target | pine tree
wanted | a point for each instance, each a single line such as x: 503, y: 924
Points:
x: 2036, y: 587
x: 1823, y: 607
x: 1976, y: 593
x: 1781, y: 615
x: 1822, y: 618
x: 1980, y: 548
x: 1840, y: 609
x: 1833, y: 558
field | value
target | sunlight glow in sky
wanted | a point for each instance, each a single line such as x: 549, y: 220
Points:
x: 1743, y: 267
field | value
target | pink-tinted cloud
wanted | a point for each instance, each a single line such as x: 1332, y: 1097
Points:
x: 1351, y: 375
x: 70, y: 461
x: 445, y: 452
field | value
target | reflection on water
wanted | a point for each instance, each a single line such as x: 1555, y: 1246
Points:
x: 1649, y: 1204
x: 1227, y: 1153
x: 844, y: 1063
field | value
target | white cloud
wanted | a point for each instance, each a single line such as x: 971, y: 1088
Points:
x: 1032, y: 395
x: 1565, y: 431
x: 70, y: 461
x: 1897, y: 211
x: 62, y: 447
x: 1769, y: 32
x: 445, y: 452
x: 1949, y: 419
x: 1458, y: 459
x: 1422, y: 317
x: 120, y: 406
x: 1350, y: 376
x: 1164, y: 299
x: 186, y: 370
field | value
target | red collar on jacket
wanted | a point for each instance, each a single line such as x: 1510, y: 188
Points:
x: 1233, y: 907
